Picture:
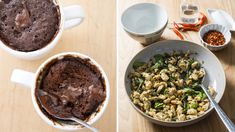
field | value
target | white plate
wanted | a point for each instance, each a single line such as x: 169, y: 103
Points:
x: 214, y: 71
x: 221, y: 17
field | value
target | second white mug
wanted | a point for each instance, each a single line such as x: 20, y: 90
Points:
x: 31, y: 80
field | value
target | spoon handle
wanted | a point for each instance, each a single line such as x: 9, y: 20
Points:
x: 225, y: 119
x: 84, y: 124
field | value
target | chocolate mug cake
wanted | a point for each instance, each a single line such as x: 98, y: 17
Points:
x: 28, y: 25
x: 70, y: 87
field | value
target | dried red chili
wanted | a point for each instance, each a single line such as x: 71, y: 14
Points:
x: 176, y: 31
x: 191, y: 27
x: 214, y: 37
x: 182, y: 27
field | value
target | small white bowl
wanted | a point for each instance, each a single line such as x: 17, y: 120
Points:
x: 144, y: 22
x: 225, y: 31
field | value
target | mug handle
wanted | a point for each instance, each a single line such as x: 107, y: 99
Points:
x: 23, y: 77
x: 73, y: 16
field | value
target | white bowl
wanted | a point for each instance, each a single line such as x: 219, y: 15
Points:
x: 214, y: 72
x: 225, y: 31
x: 144, y: 22
x: 145, y: 40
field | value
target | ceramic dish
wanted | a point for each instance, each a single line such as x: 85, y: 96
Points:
x: 144, y: 22
x: 225, y: 31
x: 145, y: 40
x: 214, y: 72
x: 221, y: 17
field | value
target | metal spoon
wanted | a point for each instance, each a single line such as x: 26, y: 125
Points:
x: 225, y: 119
x: 72, y: 118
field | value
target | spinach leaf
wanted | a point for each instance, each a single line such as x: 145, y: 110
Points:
x: 138, y: 64
x: 159, y: 57
x: 158, y: 105
x: 159, y: 62
x: 189, y: 91
x: 139, y: 82
x: 185, y: 101
x: 193, y: 105
x: 191, y: 62
x: 196, y: 86
x: 157, y: 65
x: 202, y: 95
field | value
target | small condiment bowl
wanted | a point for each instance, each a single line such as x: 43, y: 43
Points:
x: 225, y: 31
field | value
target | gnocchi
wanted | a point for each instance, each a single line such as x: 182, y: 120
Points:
x: 167, y: 87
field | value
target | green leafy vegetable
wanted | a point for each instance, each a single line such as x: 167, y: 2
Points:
x: 157, y: 65
x: 159, y: 57
x: 202, y: 95
x: 189, y: 91
x: 158, y: 105
x: 171, y: 79
x: 196, y: 86
x: 139, y: 82
x: 191, y: 62
x: 184, y: 100
x: 138, y: 64
x: 165, y: 91
x: 159, y: 62
x: 193, y: 105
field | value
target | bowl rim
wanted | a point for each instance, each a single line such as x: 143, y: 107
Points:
x: 148, y: 33
x: 214, y: 46
x: 173, y: 122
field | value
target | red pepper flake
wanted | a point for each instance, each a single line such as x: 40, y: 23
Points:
x: 214, y: 37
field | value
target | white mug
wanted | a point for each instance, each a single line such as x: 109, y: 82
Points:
x: 69, y: 17
x: 31, y: 80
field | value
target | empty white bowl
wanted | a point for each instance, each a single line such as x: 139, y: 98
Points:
x: 225, y: 31
x: 144, y: 22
